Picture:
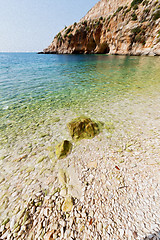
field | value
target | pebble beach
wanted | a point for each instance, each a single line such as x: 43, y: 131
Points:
x: 107, y: 188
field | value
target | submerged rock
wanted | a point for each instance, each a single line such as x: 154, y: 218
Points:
x: 63, y: 149
x: 83, y: 127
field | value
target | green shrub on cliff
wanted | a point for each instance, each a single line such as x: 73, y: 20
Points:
x: 136, y: 2
x: 135, y: 7
x: 145, y: 2
x: 70, y: 35
x: 138, y: 35
x: 96, y: 24
x: 136, y: 30
x: 85, y: 23
x: 87, y: 28
x: 146, y: 11
x: 68, y: 30
x: 109, y: 18
x: 119, y: 9
x: 59, y: 36
x: 134, y: 16
x: 128, y: 10
x: 140, y: 39
x: 156, y: 15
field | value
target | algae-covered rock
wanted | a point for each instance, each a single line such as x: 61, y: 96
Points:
x: 63, y: 149
x: 68, y: 204
x: 83, y: 127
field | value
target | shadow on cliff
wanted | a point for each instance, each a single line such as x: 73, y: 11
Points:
x: 154, y: 236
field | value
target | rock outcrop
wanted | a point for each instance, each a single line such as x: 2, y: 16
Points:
x: 113, y: 26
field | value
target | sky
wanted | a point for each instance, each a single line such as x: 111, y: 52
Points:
x: 30, y: 25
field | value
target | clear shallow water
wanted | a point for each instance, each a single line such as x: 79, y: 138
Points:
x: 32, y: 86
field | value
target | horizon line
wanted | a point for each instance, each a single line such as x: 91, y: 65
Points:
x: 18, y: 51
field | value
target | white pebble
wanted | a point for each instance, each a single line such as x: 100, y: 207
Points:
x: 12, y: 222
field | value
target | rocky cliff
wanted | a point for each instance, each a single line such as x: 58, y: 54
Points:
x: 130, y: 27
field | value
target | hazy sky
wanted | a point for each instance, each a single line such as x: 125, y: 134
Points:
x: 30, y: 25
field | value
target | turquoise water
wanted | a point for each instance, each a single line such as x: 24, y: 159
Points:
x: 32, y: 86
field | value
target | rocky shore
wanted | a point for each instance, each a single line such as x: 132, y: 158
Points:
x: 113, y: 27
x: 105, y: 186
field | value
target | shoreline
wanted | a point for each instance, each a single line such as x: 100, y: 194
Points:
x: 107, y: 54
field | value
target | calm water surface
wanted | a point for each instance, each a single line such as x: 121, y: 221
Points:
x: 33, y: 85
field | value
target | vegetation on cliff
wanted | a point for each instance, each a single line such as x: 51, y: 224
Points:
x: 131, y: 29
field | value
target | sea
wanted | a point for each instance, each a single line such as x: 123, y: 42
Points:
x: 34, y: 87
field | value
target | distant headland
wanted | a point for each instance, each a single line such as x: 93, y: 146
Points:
x: 120, y: 27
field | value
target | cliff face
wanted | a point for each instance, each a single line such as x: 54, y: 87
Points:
x: 130, y: 27
x: 105, y: 8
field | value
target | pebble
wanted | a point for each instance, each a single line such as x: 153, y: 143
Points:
x: 92, y: 165
x: 33, y: 209
x: 46, y: 212
x: 67, y: 205
x: 12, y: 222
x: 99, y: 227
x: 121, y: 232
x: 62, y: 223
